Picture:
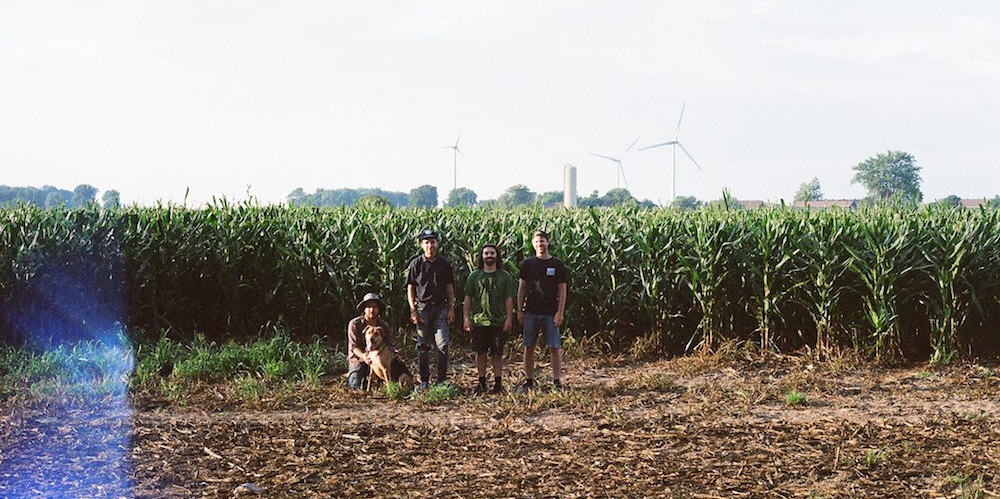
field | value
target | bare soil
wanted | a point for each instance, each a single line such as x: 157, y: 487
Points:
x: 690, y: 427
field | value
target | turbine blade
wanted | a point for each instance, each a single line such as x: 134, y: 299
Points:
x: 630, y: 147
x: 625, y: 180
x: 690, y: 157
x: 458, y: 139
x: 672, y: 142
x: 605, y: 157
x: 678, y: 129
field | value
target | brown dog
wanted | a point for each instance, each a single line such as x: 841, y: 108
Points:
x: 381, y: 365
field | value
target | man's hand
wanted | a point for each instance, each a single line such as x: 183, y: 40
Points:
x: 468, y: 326
x: 451, y: 315
x: 558, y: 319
x: 368, y: 358
x: 507, y: 325
x: 413, y: 317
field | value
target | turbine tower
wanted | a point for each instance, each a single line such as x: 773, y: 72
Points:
x: 620, y: 171
x: 455, y: 152
x: 675, y: 144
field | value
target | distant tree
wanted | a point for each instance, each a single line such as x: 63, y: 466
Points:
x: 951, y: 201
x: 594, y: 199
x: 53, y: 199
x: 343, y: 197
x: 618, y: 196
x: 727, y: 201
x: 461, y: 197
x: 425, y: 196
x: 889, y: 176
x: 297, y: 197
x: 83, y: 194
x: 516, y: 195
x: 110, y: 199
x: 809, y: 191
x: 687, y: 203
x: 373, y: 201
x: 550, y: 199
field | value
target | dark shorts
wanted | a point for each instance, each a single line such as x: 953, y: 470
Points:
x: 488, y: 338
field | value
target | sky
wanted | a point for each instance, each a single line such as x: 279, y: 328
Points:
x: 162, y: 100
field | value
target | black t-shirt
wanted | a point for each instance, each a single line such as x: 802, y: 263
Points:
x: 542, y: 279
x: 429, y: 278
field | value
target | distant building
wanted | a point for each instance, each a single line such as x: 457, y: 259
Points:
x: 829, y: 203
x: 974, y: 203
x: 751, y: 203
x: 569, y: 186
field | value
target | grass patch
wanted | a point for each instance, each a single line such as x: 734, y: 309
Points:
x: 396, y: 391
x: 876, y: 457
x: 655, y: 382
x: 796, y: 398
x: 78, y: 373
x: 436, y: 394
x: 923, y: 375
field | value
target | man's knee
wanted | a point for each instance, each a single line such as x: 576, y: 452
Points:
x: 355, y: 380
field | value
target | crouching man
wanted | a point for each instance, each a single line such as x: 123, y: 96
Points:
x: 358, y: 358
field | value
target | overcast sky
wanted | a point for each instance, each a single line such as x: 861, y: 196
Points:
x: 152, y: 98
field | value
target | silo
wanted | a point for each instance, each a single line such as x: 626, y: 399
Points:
x: 569, y: 186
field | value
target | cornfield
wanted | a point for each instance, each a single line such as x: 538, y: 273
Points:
x: 889, y: 282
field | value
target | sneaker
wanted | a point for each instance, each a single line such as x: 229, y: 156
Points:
x: 480, y: 389
x: 557, y: 385
x: 423, y: 385
x: 526, y: 387
x: 498, y: 389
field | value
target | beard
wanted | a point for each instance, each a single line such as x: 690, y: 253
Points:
x: 490, y: 261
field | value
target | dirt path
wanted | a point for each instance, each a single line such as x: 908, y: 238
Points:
x: 681, y: 428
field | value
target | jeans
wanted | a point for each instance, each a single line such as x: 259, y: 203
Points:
x: 356, y: 376
x: 432, y: 332
x: 534, y: 322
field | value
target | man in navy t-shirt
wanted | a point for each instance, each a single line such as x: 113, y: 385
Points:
x: 541, y: 303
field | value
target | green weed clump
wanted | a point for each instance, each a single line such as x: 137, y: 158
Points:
x: 795, y: 398
x: 81, y: 372
x: 436, y: 394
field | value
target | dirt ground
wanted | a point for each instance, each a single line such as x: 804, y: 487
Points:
x: 688, y: 427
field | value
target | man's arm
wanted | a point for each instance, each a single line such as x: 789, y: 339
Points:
x: 412, y: 301
x: 521, y: 292
x: 465, y: 313
x: 353, y: 346
x: 558, y: 319
x: 509, y: 320
x: 449, y: 289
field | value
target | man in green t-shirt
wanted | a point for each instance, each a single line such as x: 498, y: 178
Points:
x: 488, y: 311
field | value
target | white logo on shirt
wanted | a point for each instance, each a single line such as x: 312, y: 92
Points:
x: 550, y: 271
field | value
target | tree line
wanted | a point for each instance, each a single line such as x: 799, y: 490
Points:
x: 51, y: 197
x: 426, y: 196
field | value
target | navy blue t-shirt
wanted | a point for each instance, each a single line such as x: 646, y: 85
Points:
x: 542, y: 279
x: 429, y: 278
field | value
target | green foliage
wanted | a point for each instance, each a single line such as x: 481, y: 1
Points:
x: 809, y: 191
x: 47, y: 196
x: 343, y: 197
x: 461, y: 197
x: 516, y: 195
x: 551, y: 199
x: 795, y: 398
x: 394, y: 390
x: 893, y: 175
x: 686, y: 203
x: 424, y: 196
x: 436, y: 394
x: 888, y: 281
x: 110, y: 199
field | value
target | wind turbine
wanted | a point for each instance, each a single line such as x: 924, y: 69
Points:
x: 455, y: 153
x: 676, y: 143
x: 618, y: 161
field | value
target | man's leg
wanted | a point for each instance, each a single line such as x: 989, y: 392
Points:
x: 424, y: 338
x: 556, y: 363
x: 356, y: 377
x: 530, y: 337
x: 441, y: 341
x: 552, y: 340
x: 497, y: 340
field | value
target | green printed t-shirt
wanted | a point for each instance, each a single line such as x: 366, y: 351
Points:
x: 488, y: 292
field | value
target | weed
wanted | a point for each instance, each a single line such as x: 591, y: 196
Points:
x: 436, y: 394
x: 795, y: 398
x: 924, y: 375
x: 396, y: 391
x: 876, y: 457
x: 656, y: 382
x: 248, y: 387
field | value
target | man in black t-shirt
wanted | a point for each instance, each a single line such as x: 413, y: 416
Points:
x: 541, y: 303
x: 431, y: 294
